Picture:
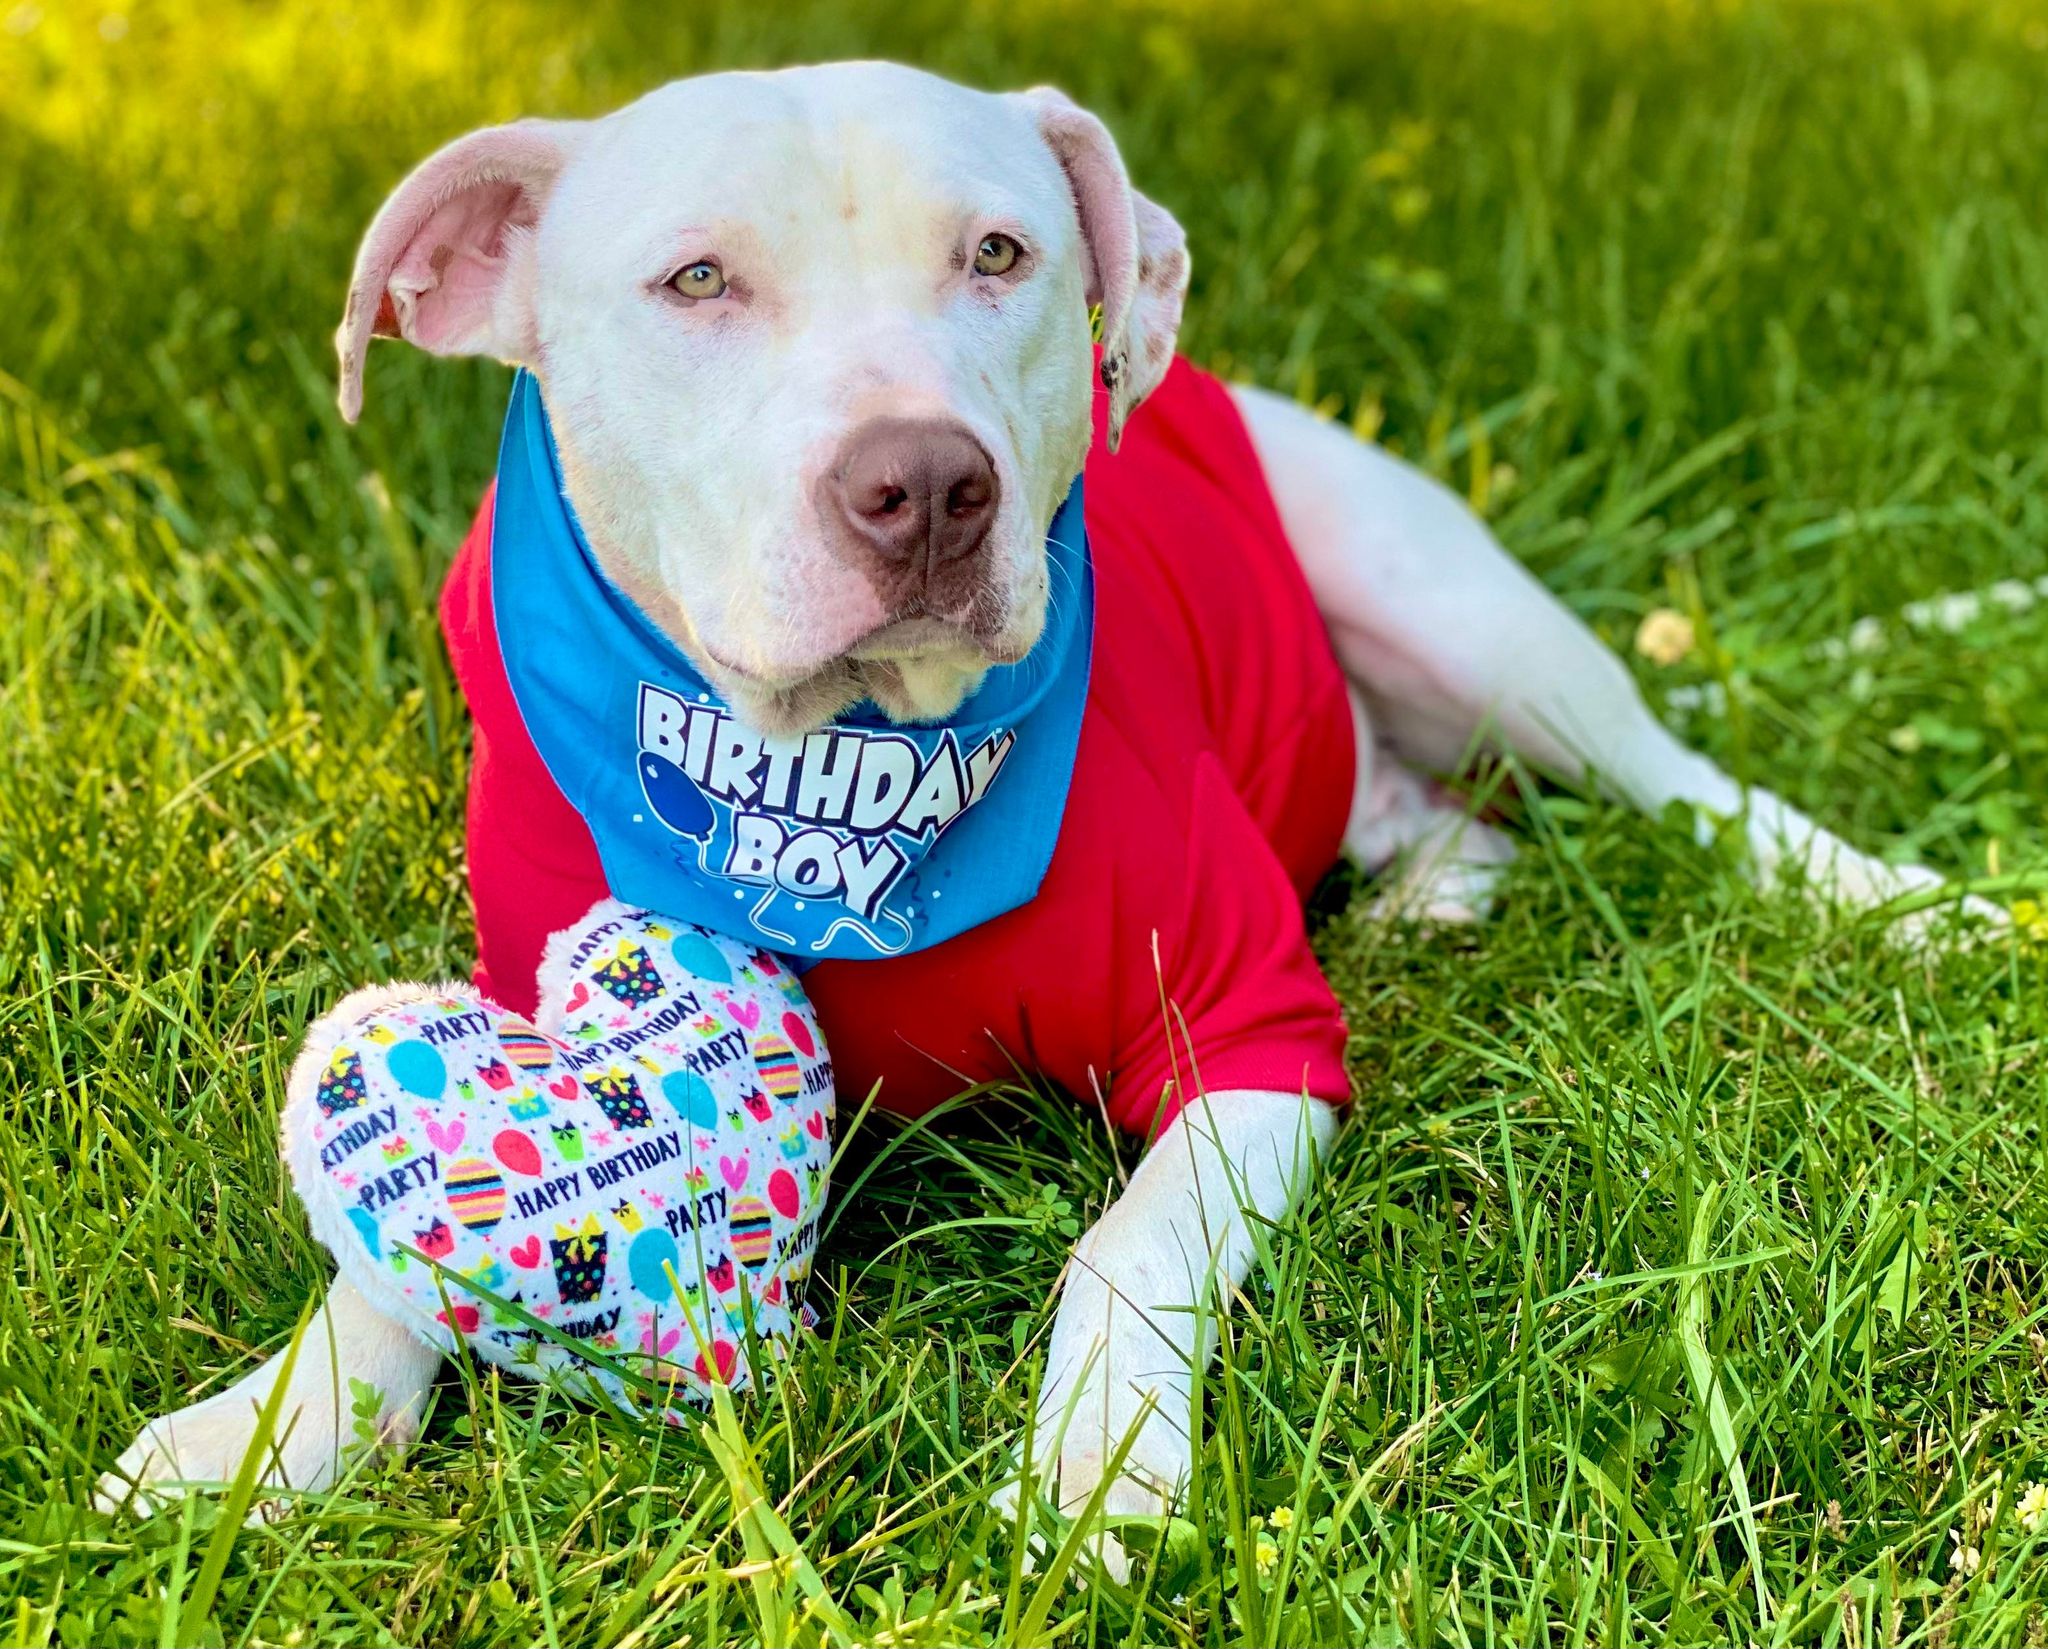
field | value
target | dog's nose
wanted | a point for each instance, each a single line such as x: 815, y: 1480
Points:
x: 916, y: 493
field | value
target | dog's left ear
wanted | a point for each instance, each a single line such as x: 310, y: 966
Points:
x: 1136, y: 255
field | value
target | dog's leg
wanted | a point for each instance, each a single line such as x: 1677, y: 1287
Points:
x: 1449, y: 637
x: 1134, y: 1321
x: 348, y: 1342
x: 1440, y: 863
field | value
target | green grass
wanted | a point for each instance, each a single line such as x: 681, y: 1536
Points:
x: 1680, y: 1275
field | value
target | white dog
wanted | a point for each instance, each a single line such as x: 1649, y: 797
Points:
x: 725, y: 290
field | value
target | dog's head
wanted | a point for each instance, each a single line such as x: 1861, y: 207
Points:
x: 816, y: 349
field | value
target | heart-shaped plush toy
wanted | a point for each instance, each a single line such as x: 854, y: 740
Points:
x: 640, y: 1172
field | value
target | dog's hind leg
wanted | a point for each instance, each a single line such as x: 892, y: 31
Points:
x: 1436, y: 862
x: 350, y: 1345
x: 1451, y: 640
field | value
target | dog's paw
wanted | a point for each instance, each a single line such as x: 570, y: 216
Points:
x: 1110, y: 1439
x: 1436, y: 864
x: 200, y: 1450
x: 357, y: 1380
x: 1839, y: 874
x: 1440, y: 893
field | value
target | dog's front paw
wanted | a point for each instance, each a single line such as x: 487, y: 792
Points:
x: 1110, y: 1438
x: 201, y: 1449
x: 349, y: 1350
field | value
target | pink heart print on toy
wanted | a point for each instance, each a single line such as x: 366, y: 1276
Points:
x: 639, y: 1171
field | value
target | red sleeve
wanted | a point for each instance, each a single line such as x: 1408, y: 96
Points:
x: 1246, y: 1003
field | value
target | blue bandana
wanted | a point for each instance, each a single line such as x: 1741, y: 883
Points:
x: 868, y: 838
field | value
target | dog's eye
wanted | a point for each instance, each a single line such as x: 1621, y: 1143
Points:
x: 997, y: 255
x: 702, y: 279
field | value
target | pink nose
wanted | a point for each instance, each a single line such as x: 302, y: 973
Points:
x: 912, y: 496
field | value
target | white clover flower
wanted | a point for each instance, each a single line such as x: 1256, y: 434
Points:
x: 1665, y: 636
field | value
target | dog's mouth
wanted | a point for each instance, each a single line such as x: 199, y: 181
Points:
x: 915, y: 668
x: 976, y: 638
x: 922, y: 637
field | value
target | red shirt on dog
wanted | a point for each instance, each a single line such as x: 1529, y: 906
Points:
x: 1164, y: 954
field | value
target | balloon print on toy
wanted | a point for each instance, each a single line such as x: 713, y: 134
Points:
x: 526, y: 1047
x: 414, y: 1066
x: 648, y: 1262
x: 799, y: 1034
x: 516, y: 1150
x: 753, y: 1232
x: 366, y: 1228
x: 476, y: 1194
x: 776, y: 1062
x: 692, y: 1098
x: 697, y: 955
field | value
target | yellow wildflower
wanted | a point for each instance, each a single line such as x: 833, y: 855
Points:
x: 1409, y: 205
x: 2032, y: 1510
x: 1283, y: 1517
x: 1268, y: 1554
x: 2030, y: 917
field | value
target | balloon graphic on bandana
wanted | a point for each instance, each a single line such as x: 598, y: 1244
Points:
x: 476, y: 1194
x: 752, y: 1231
x: 775, y: 1059
x: 674, y: 796
x: 697, y: 955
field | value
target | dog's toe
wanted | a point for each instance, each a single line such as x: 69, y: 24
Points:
x: 201, y: 1450
x: 193, y: 1451
x: 1124, y: 1497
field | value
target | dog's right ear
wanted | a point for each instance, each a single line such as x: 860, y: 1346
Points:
x: 440, y: 266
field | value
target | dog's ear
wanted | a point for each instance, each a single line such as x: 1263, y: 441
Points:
x: 439, y: 266
x: 1137, y: 256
